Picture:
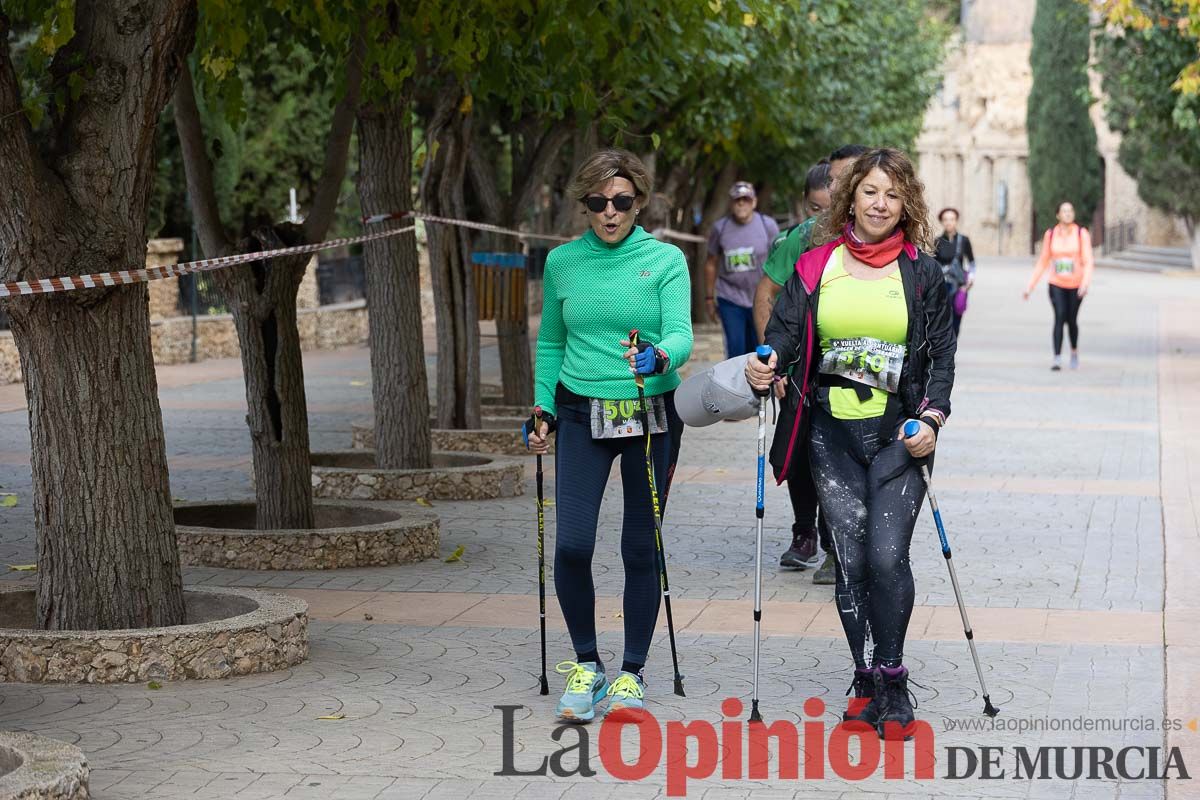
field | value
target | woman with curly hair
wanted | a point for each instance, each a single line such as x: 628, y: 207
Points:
x: 864, y: 330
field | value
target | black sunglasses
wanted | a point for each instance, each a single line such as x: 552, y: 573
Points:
x: 596, y: 203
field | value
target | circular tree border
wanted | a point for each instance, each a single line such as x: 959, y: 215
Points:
x: 270, y: 633
x: 47, y: 769
x: 396, y: 537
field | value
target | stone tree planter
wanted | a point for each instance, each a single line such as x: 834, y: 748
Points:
x: 347, y: 535
x: 351, y: 474
x: 36, y: 768
x: 499, y: 434
x: 229, y: 632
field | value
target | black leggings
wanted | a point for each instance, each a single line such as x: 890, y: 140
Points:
x: 1066, y: 311
x: 871, y: 492
x: 582, y: 465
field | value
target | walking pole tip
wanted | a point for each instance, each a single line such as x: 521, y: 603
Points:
x: 988, y: 708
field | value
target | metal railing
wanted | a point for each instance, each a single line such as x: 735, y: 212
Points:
x: 1119, y: 235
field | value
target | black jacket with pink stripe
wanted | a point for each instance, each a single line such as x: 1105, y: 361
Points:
x: 926, y: 379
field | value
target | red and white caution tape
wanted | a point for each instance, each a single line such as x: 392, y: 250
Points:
x: 70, y: 283
x: 462, y: 223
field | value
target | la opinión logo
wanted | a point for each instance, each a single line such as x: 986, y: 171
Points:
x: 740, y: 750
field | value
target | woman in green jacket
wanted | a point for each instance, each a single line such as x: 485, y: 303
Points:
x: 614, y: 278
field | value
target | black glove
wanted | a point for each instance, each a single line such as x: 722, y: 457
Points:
x: 529, y: 426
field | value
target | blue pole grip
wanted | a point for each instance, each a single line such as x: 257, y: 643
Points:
x: 911, y: 428
x: 764, y: 352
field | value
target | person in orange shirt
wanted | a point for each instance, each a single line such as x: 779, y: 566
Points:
x: 1067, y: 254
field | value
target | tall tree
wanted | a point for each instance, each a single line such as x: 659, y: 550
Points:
x: 399, y: 386
x: 1159, y: 124
x: 1064, y: 164
x: 76, y: 184
x: 262, y: 295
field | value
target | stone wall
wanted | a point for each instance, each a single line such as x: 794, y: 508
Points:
x: 974, y: 139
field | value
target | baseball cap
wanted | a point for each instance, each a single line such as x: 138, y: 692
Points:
x: 741, y: 189
x: 719, y: 392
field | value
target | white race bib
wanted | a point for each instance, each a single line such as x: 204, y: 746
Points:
x: 865, y: 360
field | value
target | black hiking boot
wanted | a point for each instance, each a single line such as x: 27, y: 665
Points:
x: 803, y: 552
x: 898, y: 703
x: 862, y: 707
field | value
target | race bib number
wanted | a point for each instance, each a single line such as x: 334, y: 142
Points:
x: 1064, y: 266
x: 740, y: 259
x: 865, y: 360
x: 617, y: 419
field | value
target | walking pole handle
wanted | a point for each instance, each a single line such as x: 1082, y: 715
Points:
x: 763, y: 351
x: 911, y: 428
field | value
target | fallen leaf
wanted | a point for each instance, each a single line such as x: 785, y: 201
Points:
x: 153, y: 685
x: 8, y: 500
x: 358, y: 383
x: 421, y: 501
x: 178, y: 500
x: 368, y: 617
x: 546, y: 503
x: 456, y: 555
x: 23, y: 567
x: 333, y: 717
x: 618, y: 615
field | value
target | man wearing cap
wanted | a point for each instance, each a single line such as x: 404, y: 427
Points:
x: 737, y: 248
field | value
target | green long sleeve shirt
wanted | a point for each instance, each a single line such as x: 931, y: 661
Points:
x: 594, y: 293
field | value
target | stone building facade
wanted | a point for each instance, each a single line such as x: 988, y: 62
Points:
x: 973, y: 147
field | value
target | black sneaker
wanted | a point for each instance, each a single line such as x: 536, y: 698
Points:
x: 826, y: 574
x: 898, y: 704
x: 803, y: 552
x: 861, y: 707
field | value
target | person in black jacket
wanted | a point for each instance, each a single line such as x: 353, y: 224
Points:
x: 953, y: 251
x: 863, y: 334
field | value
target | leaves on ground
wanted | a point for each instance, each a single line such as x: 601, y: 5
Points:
x: 358, y: 383
x: 457, y: 554
x: 421, y: 501
x: 8, y: 500
x: 333, y: 717
x: 153, y: 685
x: 23, y: 567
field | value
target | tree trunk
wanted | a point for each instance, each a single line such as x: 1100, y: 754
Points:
x: 398, y: 383
x: 262, y: 299
x: 1193, y: 227
x: 453, y: 280
x: 107, y: 554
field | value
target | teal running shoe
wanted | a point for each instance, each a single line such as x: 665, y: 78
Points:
x: 627, y: 695
x: 586, y: 686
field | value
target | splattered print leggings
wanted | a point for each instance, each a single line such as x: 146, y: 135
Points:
x: 871, y: 492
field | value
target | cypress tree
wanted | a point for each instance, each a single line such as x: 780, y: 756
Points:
x: 1064, y: 164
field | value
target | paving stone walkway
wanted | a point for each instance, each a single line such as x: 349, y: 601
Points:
x: 1049, y: 483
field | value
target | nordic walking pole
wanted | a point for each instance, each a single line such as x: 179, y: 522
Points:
x: 764, y: 355
x: 541, y: 549
x: 658, y: 540
x: 911, y: 428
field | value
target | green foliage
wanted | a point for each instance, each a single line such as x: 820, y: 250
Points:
x: 279, y: 144
x: 1160, y: 144
x: 1064, y: 164
x: 43, y: 28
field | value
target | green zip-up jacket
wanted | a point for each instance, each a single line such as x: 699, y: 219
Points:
x: 594, y: 293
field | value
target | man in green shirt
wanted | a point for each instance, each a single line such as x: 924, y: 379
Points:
x: 780, y: 265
